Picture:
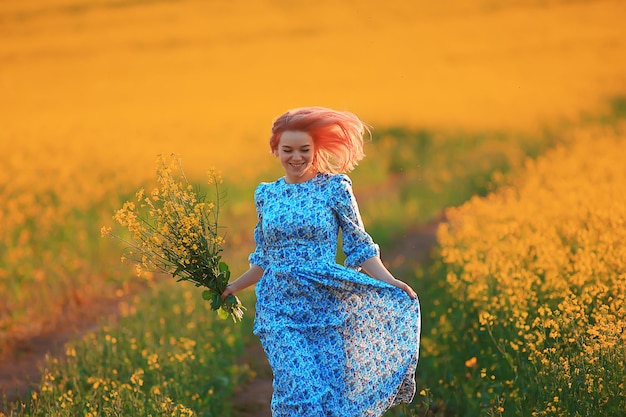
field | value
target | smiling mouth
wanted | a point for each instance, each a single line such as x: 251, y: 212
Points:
x: 297, y: 165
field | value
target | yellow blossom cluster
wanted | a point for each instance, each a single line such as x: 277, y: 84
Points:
x: 542, y: 262
x: 177, y: 226
x: 175, y: 230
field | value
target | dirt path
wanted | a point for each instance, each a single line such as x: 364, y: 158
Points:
x: 22, y: 368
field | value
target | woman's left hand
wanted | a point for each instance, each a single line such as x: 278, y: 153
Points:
x: 406, y: 288
x: 376, y: 269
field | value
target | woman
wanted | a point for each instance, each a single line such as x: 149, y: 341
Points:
x: 340, y: 342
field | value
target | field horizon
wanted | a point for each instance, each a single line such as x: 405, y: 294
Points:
x: 134, y: 79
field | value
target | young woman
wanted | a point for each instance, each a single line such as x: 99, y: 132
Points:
x: 340, y: 342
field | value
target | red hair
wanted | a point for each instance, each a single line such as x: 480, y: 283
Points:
x: 337, y: 136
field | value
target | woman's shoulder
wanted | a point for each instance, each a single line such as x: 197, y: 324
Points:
x: 336, y: 186
x: 334, y: 178
x: 339, y: 180
x: 261, y: 190
x: 267, y: 188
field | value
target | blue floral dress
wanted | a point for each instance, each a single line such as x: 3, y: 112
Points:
x: 339, y: 342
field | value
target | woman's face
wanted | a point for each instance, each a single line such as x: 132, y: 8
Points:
x: 295, y: 151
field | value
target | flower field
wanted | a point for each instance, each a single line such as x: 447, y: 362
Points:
x: 523, y: 305
x: 53, y: 199
x: 170, y: 355
x: 53, y: 259
x: 534, y: 322
x: 167, y: 356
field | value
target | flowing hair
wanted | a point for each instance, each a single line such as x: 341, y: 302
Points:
x: 337, y: 136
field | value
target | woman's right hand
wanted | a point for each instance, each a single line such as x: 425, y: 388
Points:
x: 228, y: 291
x: 248, y: 278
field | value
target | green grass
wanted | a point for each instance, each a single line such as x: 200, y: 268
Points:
x: 415, y: 174
x: 167, y: 355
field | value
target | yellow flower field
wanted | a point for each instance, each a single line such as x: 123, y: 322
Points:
x: 169, y: 356
x: 542, y: 265
x: 92, y: 91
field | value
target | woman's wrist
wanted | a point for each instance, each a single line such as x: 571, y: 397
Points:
x: 229, y: 290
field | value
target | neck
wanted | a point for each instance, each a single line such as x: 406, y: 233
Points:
x: 303, y: 178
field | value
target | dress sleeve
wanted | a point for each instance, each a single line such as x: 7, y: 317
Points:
x: 358, y: 245
x: 258, y: 256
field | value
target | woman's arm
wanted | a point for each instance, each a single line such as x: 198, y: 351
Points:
x: 248, y: 278
x: 375, y: 268
x: 360, y: 249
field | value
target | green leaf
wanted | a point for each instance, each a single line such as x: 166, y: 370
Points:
x: 222, y: 314
x: 206, y: 294
x: 231, y: 301
x: 223, y: 267
x: 217, y: 301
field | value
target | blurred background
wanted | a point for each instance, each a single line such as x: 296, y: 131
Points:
x: 206, y: 78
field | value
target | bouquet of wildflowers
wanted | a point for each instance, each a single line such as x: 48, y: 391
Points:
x: 174, y: 230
